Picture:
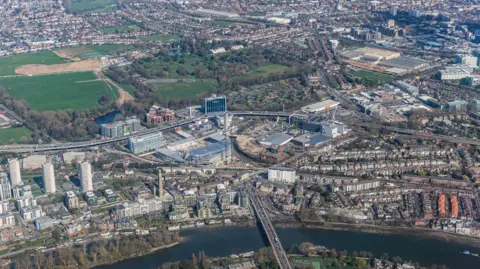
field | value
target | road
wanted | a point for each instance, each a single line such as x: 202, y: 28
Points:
x: 277, y: 247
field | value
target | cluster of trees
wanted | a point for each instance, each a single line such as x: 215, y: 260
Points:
x: 343, y: 258
x: 98, y: 253
x: 71, y: 125
x: 202, y: 262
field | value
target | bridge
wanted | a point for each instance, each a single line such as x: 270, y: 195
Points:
x: 277, y: 247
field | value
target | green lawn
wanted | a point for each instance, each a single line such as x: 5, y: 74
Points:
x: 79, y: 6
x: 166, y: 37
x: 190, y: 63
x: 9, y: 63
x: 372, y: 77
x: 128, y: 87
x: 301, y: 44
x: 183, y: 89
x: 62, y: 91
x: 13, y: 133
x: 120, y: 29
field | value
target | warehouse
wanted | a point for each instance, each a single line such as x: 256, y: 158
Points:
x: 320, y: 106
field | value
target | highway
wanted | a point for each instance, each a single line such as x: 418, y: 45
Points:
x: 278, y: 250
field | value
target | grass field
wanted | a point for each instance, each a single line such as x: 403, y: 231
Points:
x: 13, y: 133
x: 9, y: 63
x: 264, y: 70
x: 79, y: 6
x: 120, y: 29
x: 301, y: 44
x: 166, y: 37
x: 373, y: 77
x: 82, y: 51
x: 183, y: 89
x: 63, y: 91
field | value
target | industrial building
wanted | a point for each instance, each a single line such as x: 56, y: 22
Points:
x: 467, y: 60
x: 210, y: 154
x: 86, y: 176
x: 145, y: 143
x: 282, y: 174
x: 215, y: 104
x: 454, y: 72
x: 406, y: 87
x: 48, y: 177
x: 405, y: 63
x: 369, y: 54
x: 311, y: 139
x: 320, y: 106
x: 14, y: 170
x: 276, y: 140
x: 120, y: 128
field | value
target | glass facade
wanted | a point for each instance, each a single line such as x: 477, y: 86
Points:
x: 215, y: 104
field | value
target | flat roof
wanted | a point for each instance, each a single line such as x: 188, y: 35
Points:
x: 209, y: 149
x: 320, y: 106
x: 276, y: 139
x: 170, y: 154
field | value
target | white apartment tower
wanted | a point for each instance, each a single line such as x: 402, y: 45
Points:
x: 14, y: 170
x: 86, y: 176
x: 48, y: 177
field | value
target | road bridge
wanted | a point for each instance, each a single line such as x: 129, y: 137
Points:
x: 277, y: 247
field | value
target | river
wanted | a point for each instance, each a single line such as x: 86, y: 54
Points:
x: 226, y: 241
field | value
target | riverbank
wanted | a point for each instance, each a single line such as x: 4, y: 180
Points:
x: 375, y: 229
x: 138, y: 254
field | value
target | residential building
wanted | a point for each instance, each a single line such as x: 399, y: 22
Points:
x: 31, y: 213
x: 361, y: 186
x: 22, y: 190
x: 48, y: 178
x: 86, y: 176
x: 25, y: 202
x: 281, y: 174
x: 120, y: 128
x: 157, y: 115
x: 5, y: 189
x: 215, y: 104
x: 145, y: 143
x: 132, y: 209
x: 70, y: 200
x: 7, y: 220
x: 14, y: 170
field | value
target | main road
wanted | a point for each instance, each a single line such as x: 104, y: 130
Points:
x: 272, y: 236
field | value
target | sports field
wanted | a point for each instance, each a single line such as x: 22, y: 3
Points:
x: 79, y: 6
x: 166, y: 37
x: 9, y: 63
x: 120, y: 29
x: 373, y: 77
x: 6, y: 135
x: 184, y: 89
x: 58, y: 92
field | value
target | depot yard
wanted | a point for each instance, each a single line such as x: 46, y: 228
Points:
x: 58, y: 92
x: 184, y: 89
x: 9, y: 63
x: 13, y: 134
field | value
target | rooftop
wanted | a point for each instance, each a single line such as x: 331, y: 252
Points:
x: 276, y: 140
x: 209, y: 149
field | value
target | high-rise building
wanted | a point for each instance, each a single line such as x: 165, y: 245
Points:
x: 14, y: 170
x: 48, y: 177
x: 5, y: 189
x: 86, y: 176
x: 70, y: 200
x: 160, y: 184
x: 390, y: 23
x: 215, y: 104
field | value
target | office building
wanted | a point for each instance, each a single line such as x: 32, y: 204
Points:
x: 467, y: 60
x: 281, y: 174
x: 90, y: 198
x: 145, y: 143
x: 86, y: 176
x: 48, y: 178
x: 5, y: 189
x: 333, y: 129
x: 14, y: 170
x: 120, y: 128
x: 158, y: 115
x: 109, y: 196
x: 215, y: 104
x: 70, y: 200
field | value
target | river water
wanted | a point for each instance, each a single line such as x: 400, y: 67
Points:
x: 226, y: 241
